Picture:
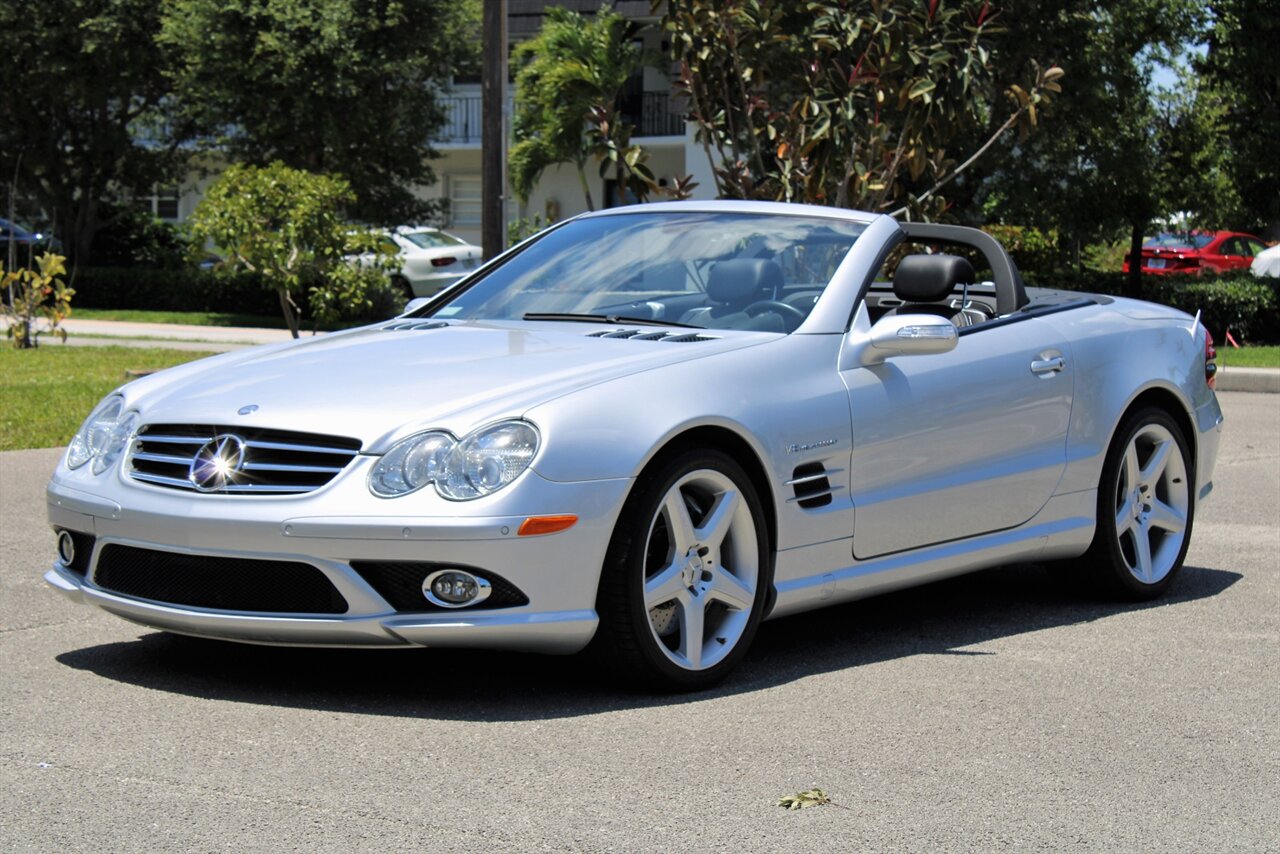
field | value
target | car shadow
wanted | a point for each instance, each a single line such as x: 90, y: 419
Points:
x: 944, y: 618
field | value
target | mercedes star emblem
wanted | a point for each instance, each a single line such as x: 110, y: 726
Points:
x: 217, y: 462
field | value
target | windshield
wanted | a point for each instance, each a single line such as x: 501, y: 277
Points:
x: 431, y: 239
x: 1179, y: 241
x: 710, y: 270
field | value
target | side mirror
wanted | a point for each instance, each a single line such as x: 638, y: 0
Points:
x: 415, y: 304
x: 909, y: 335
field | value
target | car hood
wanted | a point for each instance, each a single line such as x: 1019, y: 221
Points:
x: 380, y: 383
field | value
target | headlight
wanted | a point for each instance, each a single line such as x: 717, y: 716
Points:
x: 102, y: 437
x: 478, y: 464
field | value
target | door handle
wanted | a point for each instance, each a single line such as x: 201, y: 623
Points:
x: 1044, y: 367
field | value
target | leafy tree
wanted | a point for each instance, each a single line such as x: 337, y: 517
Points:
x: 571, y: 74
x: 81, y: 83
x: 344, y: 86
x: 1242, y: 69
x: 848, y: 103
x: 1103, y: 168
x: 288, y: 226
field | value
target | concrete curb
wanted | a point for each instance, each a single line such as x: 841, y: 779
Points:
x: 1249, y: 379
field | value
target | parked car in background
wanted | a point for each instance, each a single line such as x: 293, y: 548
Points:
x: 1198, y: 252
x: 648, y: 429
x: 430, y: 259
x: 26, y: 240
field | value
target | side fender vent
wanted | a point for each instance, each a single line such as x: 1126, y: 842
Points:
x: 811, y: 485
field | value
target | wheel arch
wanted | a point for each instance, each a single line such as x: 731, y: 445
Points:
x: 1167, y: 400
x: 723, y: 439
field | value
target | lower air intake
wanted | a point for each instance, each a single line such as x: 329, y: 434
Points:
x: 219, y: 583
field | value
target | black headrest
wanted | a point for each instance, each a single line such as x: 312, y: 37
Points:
x: 929, y: 278
x: 743, y: 280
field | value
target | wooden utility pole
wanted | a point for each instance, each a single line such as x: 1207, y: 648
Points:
x: 493, y: 137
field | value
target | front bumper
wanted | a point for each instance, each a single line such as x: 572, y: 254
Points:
x: 341, y: 523
x: 559, y: 632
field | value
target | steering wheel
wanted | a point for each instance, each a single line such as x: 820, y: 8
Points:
x: 791, y: 316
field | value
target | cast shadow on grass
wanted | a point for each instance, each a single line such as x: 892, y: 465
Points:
x: 944, y: 618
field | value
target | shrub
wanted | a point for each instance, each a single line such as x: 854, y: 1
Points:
x: 35, y: 295
x: 230, y: 291
x: 134, y: 237
x: 173, y: 290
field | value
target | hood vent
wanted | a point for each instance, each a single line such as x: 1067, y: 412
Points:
x: 662, y: 335
x: 414, y: 325
x: 811, y: 484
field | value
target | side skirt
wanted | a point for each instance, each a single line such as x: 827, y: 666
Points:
x: 1062, y: 529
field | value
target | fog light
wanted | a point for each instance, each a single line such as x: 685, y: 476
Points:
x: 66, y: 548
x: 454, y: 588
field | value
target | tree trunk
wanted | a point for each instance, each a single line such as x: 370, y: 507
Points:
x: 1133, y: 284
x: 83, y: 216
x: 586, y: 188
x: 286, y: 306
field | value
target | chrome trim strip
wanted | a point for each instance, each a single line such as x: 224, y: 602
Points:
x: 181, y: 483
x: 830, y: 490
x: 174, y: 440
x: 307, y: 449
x: 161, y: 458
x: 289, y: 467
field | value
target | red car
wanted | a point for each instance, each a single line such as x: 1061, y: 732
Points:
x: 1198, y: 252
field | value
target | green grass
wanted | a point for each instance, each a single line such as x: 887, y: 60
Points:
x: 1249, y: 357
x: 48, y: 391
x: 194, y: 318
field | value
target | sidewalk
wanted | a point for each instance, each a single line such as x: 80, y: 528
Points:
x: 176, y: 336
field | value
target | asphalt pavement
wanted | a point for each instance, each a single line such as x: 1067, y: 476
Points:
x: 994, y: 711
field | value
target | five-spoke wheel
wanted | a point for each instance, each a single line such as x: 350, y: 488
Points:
x: 1145, y: 507
x: 685, y: 583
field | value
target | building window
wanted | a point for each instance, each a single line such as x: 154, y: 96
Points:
x: 162, y: 203
x: 464, y: 201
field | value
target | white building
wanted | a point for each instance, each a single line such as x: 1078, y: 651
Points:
x: 647, y: 104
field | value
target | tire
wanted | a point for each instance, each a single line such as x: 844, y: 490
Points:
x: 687, y: 575
x: 1145, y: 498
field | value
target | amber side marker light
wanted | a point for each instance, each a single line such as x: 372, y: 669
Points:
x: 535, y: 525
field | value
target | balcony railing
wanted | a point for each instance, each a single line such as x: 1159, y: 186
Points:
x: 658, y: 115
x: 463, y: 117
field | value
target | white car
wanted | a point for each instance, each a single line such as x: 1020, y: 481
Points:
x: 430, y: 259
x: 647, y: 429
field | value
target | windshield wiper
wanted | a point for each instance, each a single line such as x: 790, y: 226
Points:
x: 604, y: 318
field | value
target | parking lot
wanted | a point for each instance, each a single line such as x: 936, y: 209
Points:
x: 999, y: 710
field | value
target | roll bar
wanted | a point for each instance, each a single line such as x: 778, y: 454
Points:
x: 1011, y: 294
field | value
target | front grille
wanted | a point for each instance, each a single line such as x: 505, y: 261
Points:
x: 400, y: 583
x: 220, y: 583
x: 269, y: 462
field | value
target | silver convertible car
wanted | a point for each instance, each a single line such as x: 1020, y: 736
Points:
x: 644, y: 431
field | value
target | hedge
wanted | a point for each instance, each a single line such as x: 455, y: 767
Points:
x: 239, y: 292
x: 1247, y: 305
x: 173, y: 290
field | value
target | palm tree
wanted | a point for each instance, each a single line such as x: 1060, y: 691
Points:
x: 573, y: 66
